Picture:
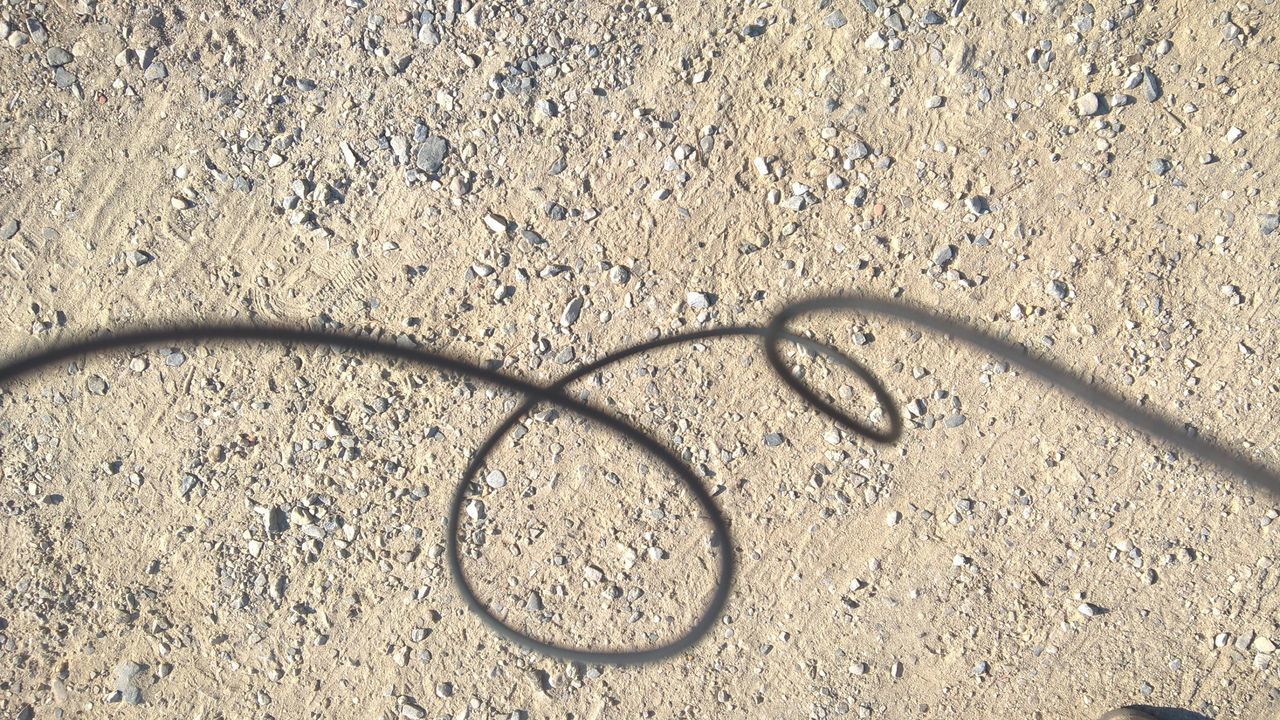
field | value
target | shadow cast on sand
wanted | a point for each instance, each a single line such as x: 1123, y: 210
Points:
x: 1168, y: 713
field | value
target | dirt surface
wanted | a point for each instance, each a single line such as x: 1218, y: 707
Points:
x: 218, y: 530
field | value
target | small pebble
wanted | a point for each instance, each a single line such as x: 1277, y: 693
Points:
x: 700, y: 300
x: 1056, y: 289
x: 1151, y: 87
x: 156, y: 71
x: 57, y: 57
x: 430, y: 154
x: 1267, y: 223
x: 1090, y: 104
x: 495, y: 223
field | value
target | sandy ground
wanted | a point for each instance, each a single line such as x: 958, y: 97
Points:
x: 214, y: 531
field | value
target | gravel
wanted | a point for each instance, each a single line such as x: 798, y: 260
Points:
x: 658, y: 169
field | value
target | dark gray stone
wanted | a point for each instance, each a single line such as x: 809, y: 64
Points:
x: 431, y: 153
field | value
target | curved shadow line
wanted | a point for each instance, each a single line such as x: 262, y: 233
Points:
x: 285, y: 335
x: 1047, y: 370
x: 721, y: 595
x: 772, y: 335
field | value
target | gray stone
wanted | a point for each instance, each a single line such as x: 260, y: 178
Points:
x: 9, y: 229
x: 126, y: 672
x: 187, y: 484
x: 132, y: 695
x: 857, y: 151
x: 1151, y: 87
x: 571, y: 312
x: 58, y: 57
x: 275, y: 521
x: 795, y: 203
x: 835, y: 20
x: 431, y: 153
x: 63, y: 78
x: 1159, y: 167
x: 156, y: 71
x: 1268, y: 223
x: 943, y: 256
x: 36, y: 30
x: 773, y: 439
x: 700, y: 300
